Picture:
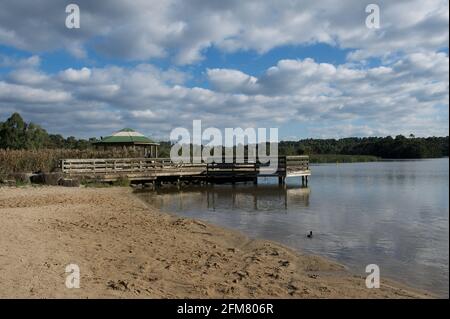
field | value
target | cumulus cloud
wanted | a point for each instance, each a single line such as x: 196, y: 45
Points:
x: 227, y: 80
x: 22, y: 93
x: 404, y: 91
x: 71, y: 75
x: 410, y: 95
x: 183, y: 29
x: 28, y: 76
x: 11, y: 62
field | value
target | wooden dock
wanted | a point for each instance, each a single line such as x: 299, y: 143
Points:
x: 159, y: 170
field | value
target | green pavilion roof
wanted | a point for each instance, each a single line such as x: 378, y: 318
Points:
x: 126, y: 136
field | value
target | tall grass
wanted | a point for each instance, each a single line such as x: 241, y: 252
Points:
x: 47, y: 160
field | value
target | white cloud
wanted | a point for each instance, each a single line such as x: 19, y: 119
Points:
x: 11, y: 62
x: 183, y: 29
x: 22, y: 93
x: 408, y: 96
x: 28, y: 76
x: 226, y: 80
x: 71, y: 75
x: 407, y: 92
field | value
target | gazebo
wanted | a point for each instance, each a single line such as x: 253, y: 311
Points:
x: 128, y: 139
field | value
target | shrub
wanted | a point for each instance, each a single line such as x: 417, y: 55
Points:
x: 122, y: 182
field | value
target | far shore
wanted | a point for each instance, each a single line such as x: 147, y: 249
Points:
x: 126, y: 249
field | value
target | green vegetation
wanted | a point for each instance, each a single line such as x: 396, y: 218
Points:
x: 382, y: 147
x: 339, y: 158
x: 26, y: 147
x: 20, y: 183
x: 122, y: 182
x: 96, y: 184
x: 356, y: 149
x: 15, y: 134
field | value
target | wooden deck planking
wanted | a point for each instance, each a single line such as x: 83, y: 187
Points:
x: 141, y: 169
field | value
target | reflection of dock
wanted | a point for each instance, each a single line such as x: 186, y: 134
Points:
x: 245, y: 197
x: 157, y: 170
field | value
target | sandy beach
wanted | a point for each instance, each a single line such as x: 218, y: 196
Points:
x: 126, y: 249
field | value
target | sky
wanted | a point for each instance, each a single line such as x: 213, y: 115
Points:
x: 312, y: 69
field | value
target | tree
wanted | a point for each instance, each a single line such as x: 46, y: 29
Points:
x: 15, y: 133
x: 12, y: 132
x: 56, y: 141
x: 35, y: 137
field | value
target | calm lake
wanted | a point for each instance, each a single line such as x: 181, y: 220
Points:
x: 392, y: 213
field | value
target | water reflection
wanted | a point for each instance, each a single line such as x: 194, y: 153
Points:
x: 240, y: 197
x: 394, y: 214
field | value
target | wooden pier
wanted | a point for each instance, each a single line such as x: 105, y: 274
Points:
x: 160, y: 170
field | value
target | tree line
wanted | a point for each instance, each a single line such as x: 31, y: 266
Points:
x: 16, y: 134
x: 384, y: 147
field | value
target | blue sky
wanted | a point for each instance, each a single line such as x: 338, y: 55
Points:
x: 250, y: 62
x: 309, y: 69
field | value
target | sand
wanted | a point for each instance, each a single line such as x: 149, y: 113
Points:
x: 126, y: 249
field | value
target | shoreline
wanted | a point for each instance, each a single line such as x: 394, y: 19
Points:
x: 126, y: 248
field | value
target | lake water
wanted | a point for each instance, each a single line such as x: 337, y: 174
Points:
x: 393, y: 213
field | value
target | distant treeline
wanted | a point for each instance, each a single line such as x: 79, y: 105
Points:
x: 355, y: 149
x: 383, y: 147
x: 16, y: 134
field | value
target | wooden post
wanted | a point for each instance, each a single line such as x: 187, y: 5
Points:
x: 233, y: 181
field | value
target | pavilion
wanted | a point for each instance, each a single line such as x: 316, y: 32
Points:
x: 129, y: 139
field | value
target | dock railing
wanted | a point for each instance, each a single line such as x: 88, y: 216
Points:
x: 286, y: 164
x: 121, y: 165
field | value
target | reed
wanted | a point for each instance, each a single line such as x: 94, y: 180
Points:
x: 47, y: 160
